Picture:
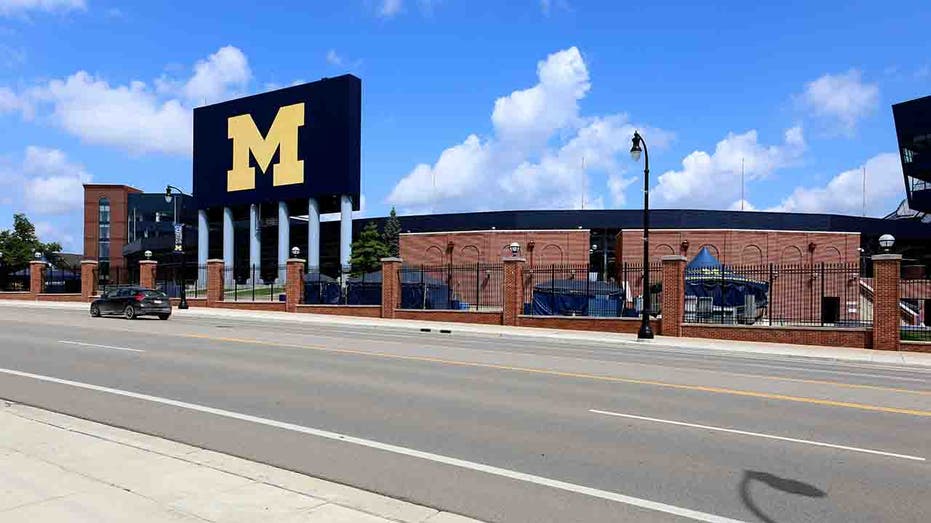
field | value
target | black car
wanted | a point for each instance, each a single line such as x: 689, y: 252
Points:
x: 132, y: 302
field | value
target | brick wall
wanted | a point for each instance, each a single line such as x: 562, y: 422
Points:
x: 621, y: 325
x: 828, y: 337
x: 485, y: 318
x: 61, y: 297
x: 268, y: 306
x: 359, y: 311
x: 886, y: 312
x: 540, y: 247
x: 742, y: 247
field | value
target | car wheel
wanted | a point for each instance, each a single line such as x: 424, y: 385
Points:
x: 164, y: 316
x: 95, y: 311
x: 129, y: 312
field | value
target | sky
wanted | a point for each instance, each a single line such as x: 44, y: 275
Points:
x: 474, y: 104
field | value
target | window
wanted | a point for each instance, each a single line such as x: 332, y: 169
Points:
x: 103, y: 240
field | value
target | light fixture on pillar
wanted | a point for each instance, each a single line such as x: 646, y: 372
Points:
x: 295, y: 251
x: 886, y: 241
x: 148, y: 254
x: 515, y: 248
x: 38, y: 255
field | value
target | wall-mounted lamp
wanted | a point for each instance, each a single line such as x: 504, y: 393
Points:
x: 811, y: 246
x: 515, y: 248
x: 684, y: 246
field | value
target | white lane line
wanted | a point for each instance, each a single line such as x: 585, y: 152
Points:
x: 95, y: 346
x: 759, y: 435
x: 446, y: 460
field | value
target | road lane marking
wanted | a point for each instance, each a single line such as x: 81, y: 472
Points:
x: 95, y: 346
x: 758, y: 435
x: 595, y: 377
x: 404, y: 451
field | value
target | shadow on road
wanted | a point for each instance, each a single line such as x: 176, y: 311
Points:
x: 789, y: 486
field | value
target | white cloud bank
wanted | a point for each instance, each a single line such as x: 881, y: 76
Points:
x: 135, y: 117
x: 843, y: 194
x: 20, y: 7
x: 535, y: 157
x: 841, y: 100
x: 712, y: 181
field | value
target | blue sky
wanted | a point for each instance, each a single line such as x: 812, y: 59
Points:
x: 473, y: 105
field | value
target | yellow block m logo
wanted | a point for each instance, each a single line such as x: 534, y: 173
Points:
x: 282, y: 137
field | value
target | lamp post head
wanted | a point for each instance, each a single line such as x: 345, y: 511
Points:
x: 515, y: 248
x: 295, y: 251
x: 38, y: 255
x: 168, y: 194
x: 635, y: 149
x: 886, y: 241
x: 148, y: 254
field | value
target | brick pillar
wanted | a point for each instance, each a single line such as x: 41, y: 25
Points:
x: 512, y: 290
x: 88, y: 279
x: 215, y: 288
x: 673, y: 295
x: 147, y: 269
x: 294, y: 284
x: 390, y: 286
x: 886, y: 313
x: 37, y: 277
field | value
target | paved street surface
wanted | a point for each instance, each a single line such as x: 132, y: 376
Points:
x: 499, y: 428
x: 55, y: 468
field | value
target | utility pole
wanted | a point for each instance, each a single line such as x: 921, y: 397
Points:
x: 583, y: 183
x: 742, y: 200
x: 864, y: 190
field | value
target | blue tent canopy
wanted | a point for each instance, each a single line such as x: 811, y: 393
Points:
x: 364, y: 289
x: 419, y: 291
x: 706, y: 277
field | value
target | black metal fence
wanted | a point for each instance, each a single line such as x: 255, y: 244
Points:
x: 574, y: 290
x: 254, y: 283
x: 14, y: 279
x: 804, y: 295
x: 65, y: 280
x: 470, y: 287
x: 109, y: 277
x: 170, y: 278
x: 362, y: 289
x: 915, y: 308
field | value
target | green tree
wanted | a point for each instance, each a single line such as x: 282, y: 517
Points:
x: 20, y: 243
x: 367, y: 251
x: 392, y: 234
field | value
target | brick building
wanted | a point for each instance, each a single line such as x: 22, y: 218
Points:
x: 539, y: 247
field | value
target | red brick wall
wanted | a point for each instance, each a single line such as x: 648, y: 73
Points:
x: 582, y: 323
x: 857, y: 338
x: 294, y: 284
x: 740, y: 247
x: 20, y: 295
x: 215, y: 285
x: 360, y: 311
x: 548, y: 247
x: 390, y: 286
x: 486, y: 318
x: 270, y: 306
x: 119, y: 231
x: 61, y: 297
x: 886, y: 312
x: 191, y: 302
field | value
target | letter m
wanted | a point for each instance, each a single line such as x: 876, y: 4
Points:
x: 282, y: 137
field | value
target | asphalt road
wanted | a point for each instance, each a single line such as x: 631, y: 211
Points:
x: 500, y: 428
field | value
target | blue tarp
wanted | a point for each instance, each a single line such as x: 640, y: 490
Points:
x: 577, y: 298
x: 364, y: 290
x: 320, y: 289
x: 706, y: 277
x: 425, y: 293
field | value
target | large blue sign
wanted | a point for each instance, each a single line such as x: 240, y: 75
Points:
x: 290, y: 144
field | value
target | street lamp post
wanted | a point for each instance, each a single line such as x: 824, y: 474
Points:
x: 638, y: 145
x: 168, y: 199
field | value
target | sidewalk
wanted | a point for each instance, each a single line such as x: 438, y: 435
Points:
x: 59, y: 468
x: 627, y: 341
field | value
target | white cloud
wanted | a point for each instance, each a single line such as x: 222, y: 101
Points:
x: 70, y: 241
x: 333, y: 58
x: 222, y: 75
x: 18, y: 7
x: 841, y: 100
x: 547, y: 6
x: 52, y: 183
x: 535, y: 157
x: 843, y: 194
x: 136, y: 117
x: 390, y: 8
x: 713, y: 180
x: 130, y: 117
x: 9, y: 101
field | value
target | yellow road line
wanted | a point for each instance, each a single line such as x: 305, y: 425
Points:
x: 701, y: 388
